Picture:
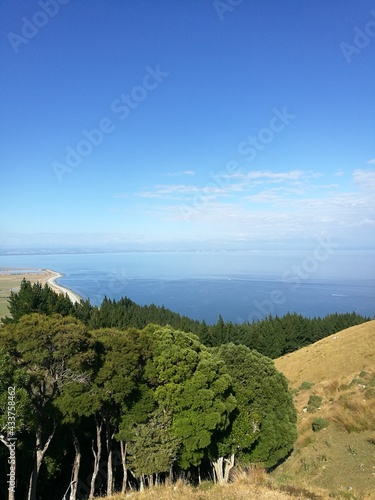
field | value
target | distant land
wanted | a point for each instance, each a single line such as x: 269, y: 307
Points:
x: 10, y: 280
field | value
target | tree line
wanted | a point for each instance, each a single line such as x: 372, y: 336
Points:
x: 272, y: 336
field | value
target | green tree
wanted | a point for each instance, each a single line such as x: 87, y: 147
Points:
x: 14, y: 412
x: 36, y: 298
x: 263, y: 428
x: 53, y: 352
x: 192, y: 387
x: 153, y: 447
x: 114, y: 388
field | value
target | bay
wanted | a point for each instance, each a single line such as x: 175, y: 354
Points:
x: 202, y: 285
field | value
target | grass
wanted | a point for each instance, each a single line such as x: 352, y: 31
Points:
x: 340, y: 457
x: 349, y: 352
x: 245, y: 484
x: 354, y: 414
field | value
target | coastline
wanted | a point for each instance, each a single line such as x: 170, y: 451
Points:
x: 51, y: 282
x: 11, y: 278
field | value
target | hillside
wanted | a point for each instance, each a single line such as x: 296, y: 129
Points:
x: 337, y: 356
x: 333, y: 382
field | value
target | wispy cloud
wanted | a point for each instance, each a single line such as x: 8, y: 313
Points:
x: 179, y: 191
x: 365, y: 179
x: 226, y: 185
x: 265, y: 204
x: 120, y: 195
x: 179, y: 173
x: 372, y: 161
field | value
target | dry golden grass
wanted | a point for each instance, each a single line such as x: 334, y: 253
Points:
x: 254, y: 484
x: 338, y: 356
x: 341, y: 370
x: 353, y: 414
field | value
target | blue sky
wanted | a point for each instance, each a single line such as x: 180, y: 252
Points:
x: 187, y: 124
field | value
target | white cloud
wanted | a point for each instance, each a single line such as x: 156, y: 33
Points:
x: 179, y: 173
x: 372, y: 161
x: 120, y: 195
x: 365, y: 179
x: 264, y: 204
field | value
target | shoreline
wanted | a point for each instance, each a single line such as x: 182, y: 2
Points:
x: 51, y: 282
x: 44, y: 276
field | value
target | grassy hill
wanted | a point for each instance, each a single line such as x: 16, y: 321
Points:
x: 333, y: 382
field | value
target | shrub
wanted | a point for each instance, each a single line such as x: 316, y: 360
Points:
x: 314, y: 403
x: 357, y: 381
x: 370, y: 393
x: 319, y: 423
x: 306, y: 385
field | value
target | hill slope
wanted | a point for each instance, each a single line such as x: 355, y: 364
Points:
x: 333, y: 382
x: 340, y: 355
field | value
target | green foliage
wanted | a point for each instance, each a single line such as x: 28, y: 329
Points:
x: 171, y: 399
x: 53, y: 353
x: 264, y: 424
x: 153, y: 447
x: 193, y: 387
x: 11, y: 382
x: 314, y: 403
x: 272, y: 336
x: 306, y: 385
x: 370, y: 393
x: 37, y: 299
x: 319, y: 423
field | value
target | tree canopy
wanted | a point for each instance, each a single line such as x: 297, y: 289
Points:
x: 157, y: 396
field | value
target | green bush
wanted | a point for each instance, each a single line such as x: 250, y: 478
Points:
x: 370, y: 393
x: 357, y: 381
x: 306, y: 385
x: 314, y: 402
x: 319, y: 423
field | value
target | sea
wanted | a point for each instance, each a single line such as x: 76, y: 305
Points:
x: 203, y: 285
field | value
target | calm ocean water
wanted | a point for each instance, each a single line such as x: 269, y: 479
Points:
x: 204, y: 285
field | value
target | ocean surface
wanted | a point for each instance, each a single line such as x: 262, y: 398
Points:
x: 203, y: 285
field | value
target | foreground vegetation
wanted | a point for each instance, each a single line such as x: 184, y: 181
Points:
x: 110, y: 409
x: 114, y: 408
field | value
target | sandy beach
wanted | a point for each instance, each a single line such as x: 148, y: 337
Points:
x: 10, y: 280
x: 51, y: 281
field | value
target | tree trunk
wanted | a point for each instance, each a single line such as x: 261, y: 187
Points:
x: 40, y: 452
x: 97, y: 454
x: 222, y: 468
x: 141, y: 483
x: 76, y: 466
x: 229, y: 464
x: 218, y: 470
x: 109, y: 442
x: 12, y: 472
x: 123, y: 446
